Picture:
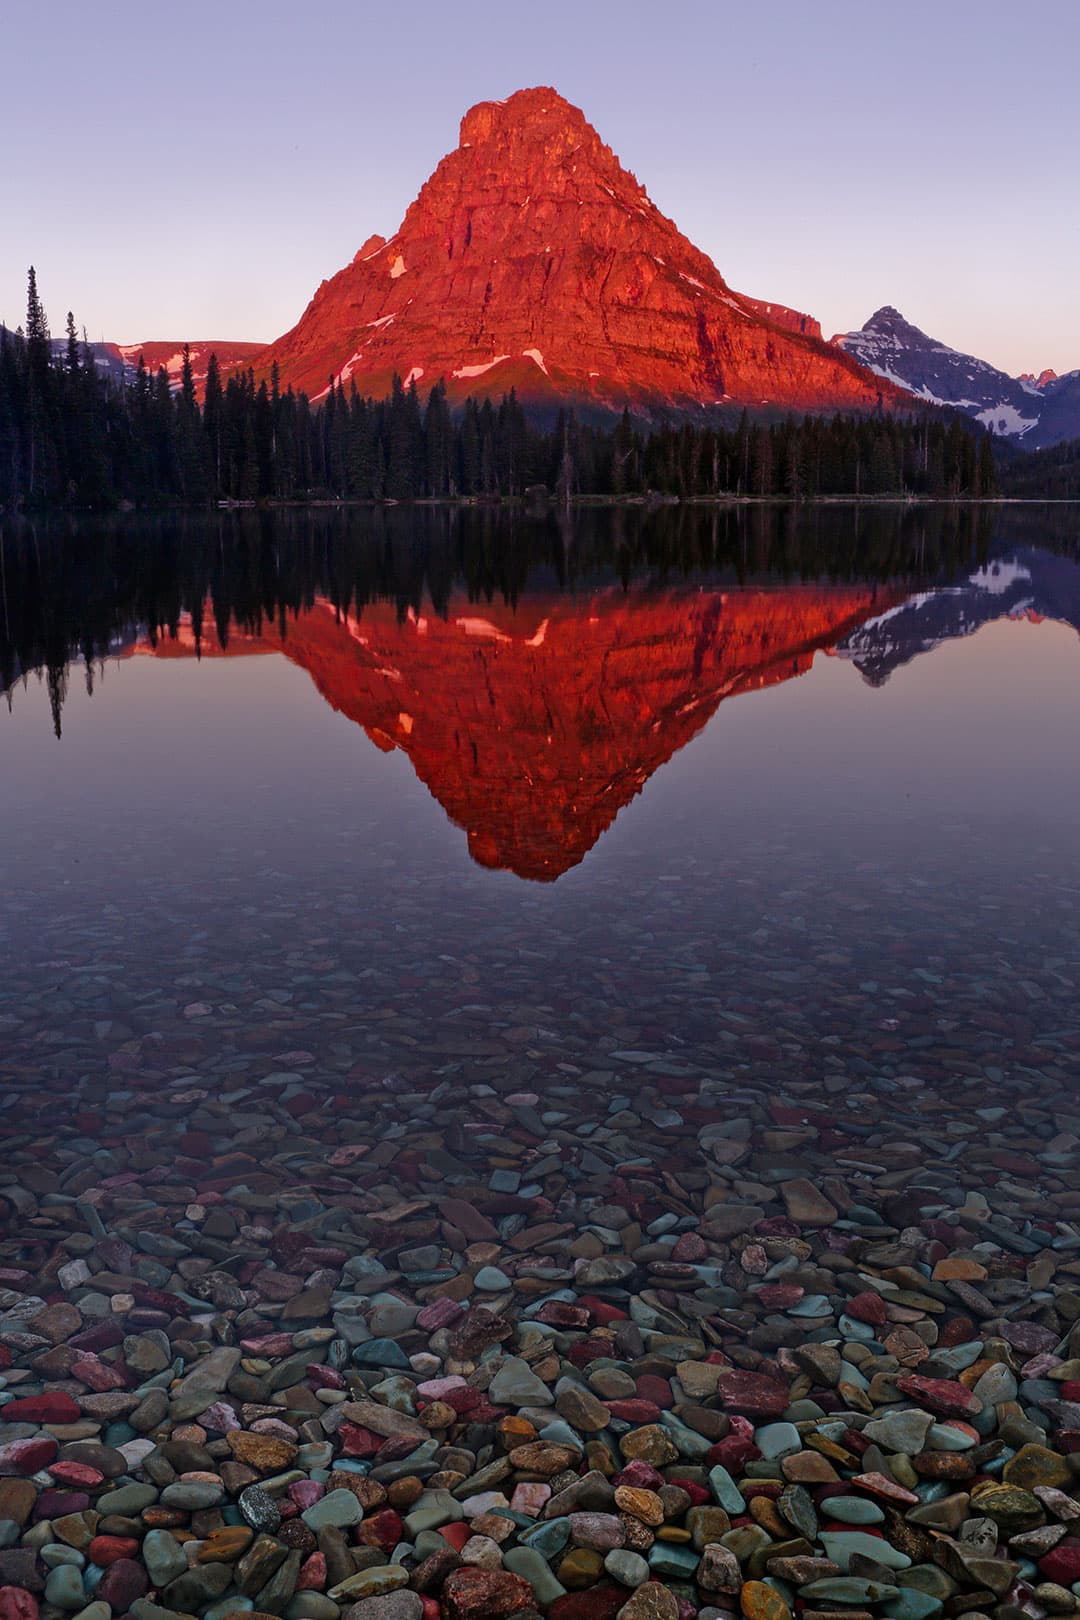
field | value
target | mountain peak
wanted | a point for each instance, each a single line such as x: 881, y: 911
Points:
x: 939, y: 375
x: 889, y: 319
x: 524, y: 110
x: 532, y: 259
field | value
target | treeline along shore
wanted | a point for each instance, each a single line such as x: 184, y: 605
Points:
x: 73, y: 437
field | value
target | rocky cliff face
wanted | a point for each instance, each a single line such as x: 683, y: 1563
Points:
x: 534, y: 727
x: 533, y: 259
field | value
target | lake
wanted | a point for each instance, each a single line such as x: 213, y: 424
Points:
x: 613, y: 973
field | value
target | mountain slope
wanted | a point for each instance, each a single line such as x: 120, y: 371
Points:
x: 531, y: 258
x: 1034, y: 412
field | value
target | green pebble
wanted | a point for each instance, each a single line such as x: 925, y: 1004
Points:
x: 673, y: 1561
x: 64, y: 1588
x: 336, y: 1508
x: 533, y: 1567
x: 912, y: 1605
x: 853, y: 1510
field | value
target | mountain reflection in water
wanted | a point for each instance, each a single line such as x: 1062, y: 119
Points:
x: 535, y: 674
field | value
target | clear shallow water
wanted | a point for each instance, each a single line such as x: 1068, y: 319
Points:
x: 545, y: 897
x: 739, y: 776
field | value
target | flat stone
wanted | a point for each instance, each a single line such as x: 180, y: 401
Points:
x: 806, y: 1204
x: 515, y: 1384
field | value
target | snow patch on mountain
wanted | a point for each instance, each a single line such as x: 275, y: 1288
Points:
x: 1005, y: 419
x: 478, y: 371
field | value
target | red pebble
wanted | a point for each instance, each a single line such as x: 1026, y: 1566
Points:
x: 358, y: 1442
x: 485, y: 1594
x: 456, y: 1534
x: 26, y: 1456
x: 16, y: 1603
x: 302, y: 1103
x: 753, y: 1394
x: 312, y: 1574
x: 690, y: 1247
x: 961, y: 1330
x: 76, y: 1473
x: 383, y: 1529
x: 320, y: 1377
x: 560, y: 1313
x: 634, y: 1411
x: 269, y: 1344
x: 431, y: 1610
x: 440, y: 1314
x: 463, y: 1398
x: 1062, y: 1564
x: 582, y: 1351
x: 602, y: 1311
x: 733, y: 1453
x: 651, y: 1387
x: 596, y: 1603
x: 105, y: 1550
x: 882, y: 1485
x: 868, y: 1307
x: 50, y: 1408
x: 123, y: 1582
x: 946, y: 1396
x: 697, y: 1493
x: 97, y: 1375
x: 641, y: 1474
x: 55, y: 1504
x: 779, y: 1296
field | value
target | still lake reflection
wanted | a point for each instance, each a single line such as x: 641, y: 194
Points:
x: 657, y: 928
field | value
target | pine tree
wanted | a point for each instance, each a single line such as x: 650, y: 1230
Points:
x: 71, y: 352
x: 38, y: 343
x: 986, y: 478
x: 213, y: 421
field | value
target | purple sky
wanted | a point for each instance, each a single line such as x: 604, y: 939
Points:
x: 195, y: 170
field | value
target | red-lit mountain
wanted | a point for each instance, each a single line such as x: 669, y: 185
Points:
x: 533, y: 726
x: 171, y: 355
x: 533, y: 259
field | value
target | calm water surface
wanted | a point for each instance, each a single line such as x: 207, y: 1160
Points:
x: 592, y: 772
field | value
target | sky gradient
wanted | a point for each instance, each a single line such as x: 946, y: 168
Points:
x: 194, y: 171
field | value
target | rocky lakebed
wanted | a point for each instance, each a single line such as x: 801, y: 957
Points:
x: 539, y: 1320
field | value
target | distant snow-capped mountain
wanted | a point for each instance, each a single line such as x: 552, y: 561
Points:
x: 1033, y: 411
x: 1024, y: 583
